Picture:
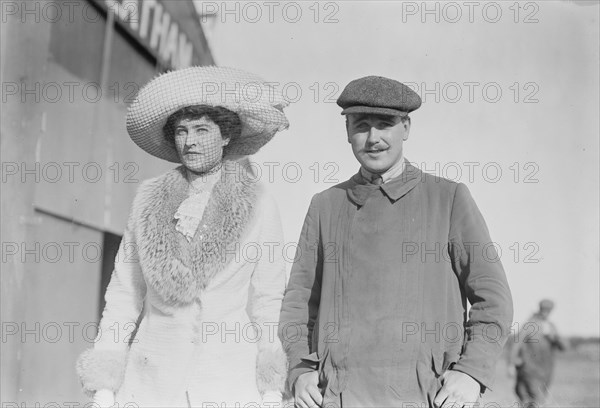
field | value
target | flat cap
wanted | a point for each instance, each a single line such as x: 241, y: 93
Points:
x: 379, y: 95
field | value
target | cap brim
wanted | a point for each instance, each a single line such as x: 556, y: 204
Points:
x: 373, y: 110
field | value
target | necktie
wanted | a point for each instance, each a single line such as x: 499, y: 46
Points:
x: 360, y: 192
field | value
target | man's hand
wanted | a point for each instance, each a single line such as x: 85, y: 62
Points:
x: 458, y: 390
x: 306, y: 391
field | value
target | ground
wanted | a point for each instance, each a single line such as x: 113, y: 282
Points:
x: 576, y: 381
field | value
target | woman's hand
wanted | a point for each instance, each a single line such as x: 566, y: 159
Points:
x: 271, y: 399
x: 104, y: 398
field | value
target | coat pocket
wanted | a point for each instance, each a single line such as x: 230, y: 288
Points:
x: 437, y: 362
x: 312, y: 360
x: 443, y: 360
x: 429, y: 371
x: 316, y: 361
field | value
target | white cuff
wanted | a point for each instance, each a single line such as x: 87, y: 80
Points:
x: 271, y: 399
x: 104, y: 398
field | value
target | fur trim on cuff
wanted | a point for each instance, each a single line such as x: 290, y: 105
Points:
x: 101, y: 369
x: 271, y: 370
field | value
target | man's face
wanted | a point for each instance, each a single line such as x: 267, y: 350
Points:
x: 376, y: 140
x: 545, y: 312
x: 199, y: 144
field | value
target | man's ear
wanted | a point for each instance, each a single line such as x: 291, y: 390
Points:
x: 347, y: 131
x: 406, y: 130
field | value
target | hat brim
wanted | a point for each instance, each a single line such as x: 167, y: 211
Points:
x: 259, y: 108
x: 373, y: 110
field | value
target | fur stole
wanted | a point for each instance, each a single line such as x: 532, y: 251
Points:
x: 175, y: 268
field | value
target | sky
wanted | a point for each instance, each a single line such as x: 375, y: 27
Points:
x: 510, y: 108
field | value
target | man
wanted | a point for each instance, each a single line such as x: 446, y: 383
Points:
x: 533, y: 356
x: 375, y: 310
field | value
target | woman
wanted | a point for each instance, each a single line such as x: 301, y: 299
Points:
x: 193, y: 302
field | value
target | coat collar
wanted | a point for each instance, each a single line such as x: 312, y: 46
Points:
x: 359, y: 190
x: 177, y: 269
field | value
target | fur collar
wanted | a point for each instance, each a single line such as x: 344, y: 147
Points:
x: 175, y: 268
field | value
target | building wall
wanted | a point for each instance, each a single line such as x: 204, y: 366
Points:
x: 61, y: 294
x: 69, y: 174
x: 20, y: 128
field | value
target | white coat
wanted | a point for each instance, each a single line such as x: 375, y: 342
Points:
x: 205, y: 311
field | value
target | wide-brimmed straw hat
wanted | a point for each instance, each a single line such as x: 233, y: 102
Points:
x: 257, y: 103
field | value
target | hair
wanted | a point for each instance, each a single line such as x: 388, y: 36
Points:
x: 228, y: 121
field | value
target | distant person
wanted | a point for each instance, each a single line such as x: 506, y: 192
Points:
x: 533, y: 356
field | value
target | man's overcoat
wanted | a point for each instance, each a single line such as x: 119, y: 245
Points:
x: 378, y: 294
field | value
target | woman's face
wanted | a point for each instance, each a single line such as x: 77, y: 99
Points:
x: 199, y: 144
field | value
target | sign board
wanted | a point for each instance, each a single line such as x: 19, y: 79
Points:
x: 169, y: 30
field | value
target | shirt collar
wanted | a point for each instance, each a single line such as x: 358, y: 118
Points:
x: 391, y: 173
x: 360, y: 189
x: 203, y: 182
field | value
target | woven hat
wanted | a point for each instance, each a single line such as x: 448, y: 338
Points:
x: 259, y: 107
